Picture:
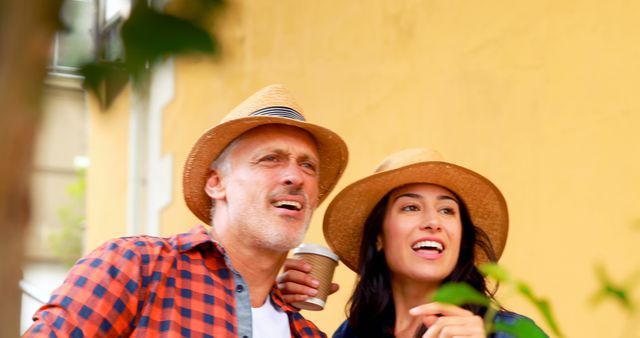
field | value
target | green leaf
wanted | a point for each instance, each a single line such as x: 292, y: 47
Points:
x: 521, y: 327
x: 105, y: 79
x: 66, y: 241
x: 495, y: 271
x: 460, y: 294
x: 542, y: 305
x: 149, y: 35
x: 609, y: 289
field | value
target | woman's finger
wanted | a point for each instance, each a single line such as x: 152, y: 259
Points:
x: 295, y: 282
x: 429, y: 320
x: 297, y: 271
x: 296, y: 264
x: 291, y: 288
x: 439, y: 309
x: 454, y: 326
x: 297, y: 277
x: 334, y: 288
x: 472, y: 321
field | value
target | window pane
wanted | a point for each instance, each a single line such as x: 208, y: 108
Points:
x: 116, y: 7
x: 76, y: 46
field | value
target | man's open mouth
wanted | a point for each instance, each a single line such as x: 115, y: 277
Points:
x: 289, y: 205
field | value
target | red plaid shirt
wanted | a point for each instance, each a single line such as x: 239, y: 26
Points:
x: 148, y: 287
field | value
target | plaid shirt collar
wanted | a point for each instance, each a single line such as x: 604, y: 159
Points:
x: 196, y: 237
x: 200, y: 236
x: 278, y: 299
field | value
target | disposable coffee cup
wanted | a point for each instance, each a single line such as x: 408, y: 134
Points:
x: 323, y: 263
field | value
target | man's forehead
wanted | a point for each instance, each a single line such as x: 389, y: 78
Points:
x: 279, y: 133
x: 276, y: 129
x: 279, y: 138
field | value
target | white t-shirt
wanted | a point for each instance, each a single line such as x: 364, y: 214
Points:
x: 268, y: 322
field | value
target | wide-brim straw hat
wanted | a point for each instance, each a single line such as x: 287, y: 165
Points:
x: 273, y: 104
x: 346, y: 215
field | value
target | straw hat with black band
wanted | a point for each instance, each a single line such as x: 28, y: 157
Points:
x: 273, y: 104
x: 346, y: 215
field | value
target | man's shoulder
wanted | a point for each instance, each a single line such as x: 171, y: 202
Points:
x: 179, y: 241
x: 134, y: 242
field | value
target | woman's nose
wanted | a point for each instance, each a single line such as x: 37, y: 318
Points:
x: 431, y: 223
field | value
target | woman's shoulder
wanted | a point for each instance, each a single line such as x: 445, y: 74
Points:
x: 344, y: 331
x: 507, y: 321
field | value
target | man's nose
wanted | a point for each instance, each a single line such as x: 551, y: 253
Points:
x: 292, y: 174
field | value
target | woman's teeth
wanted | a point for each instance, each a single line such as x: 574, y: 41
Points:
x: 428, y: 245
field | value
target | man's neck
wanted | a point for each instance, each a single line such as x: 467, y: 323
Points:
x: 259, y: 268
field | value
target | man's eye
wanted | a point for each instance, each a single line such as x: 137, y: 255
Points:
x: 269, y: 158
x: 309, y: 166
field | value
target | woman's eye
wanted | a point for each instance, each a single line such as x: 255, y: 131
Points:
x: 447, y: 211
x: 410, y: 208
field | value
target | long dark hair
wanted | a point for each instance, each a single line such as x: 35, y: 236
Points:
x: 371, y: 307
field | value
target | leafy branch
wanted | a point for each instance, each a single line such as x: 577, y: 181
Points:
x: 148, y: 36
x: 621, y: 292
x: 461, y: 294
x: 66, y: 242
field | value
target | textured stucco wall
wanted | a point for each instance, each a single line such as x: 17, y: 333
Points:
x: 539, y: 96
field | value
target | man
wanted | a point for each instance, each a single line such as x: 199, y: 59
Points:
x: 256, y: 178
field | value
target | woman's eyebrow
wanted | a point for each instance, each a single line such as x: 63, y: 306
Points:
x: 408, y: 194
x: 447, y: 197
x: 418, y: 196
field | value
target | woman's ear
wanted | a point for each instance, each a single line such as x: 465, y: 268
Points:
x: 378, y: 243
x: 214, y: 187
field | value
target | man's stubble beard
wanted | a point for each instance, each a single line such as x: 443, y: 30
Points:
x: 274, y: 237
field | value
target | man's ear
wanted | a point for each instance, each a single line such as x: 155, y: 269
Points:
x: 214, y: 187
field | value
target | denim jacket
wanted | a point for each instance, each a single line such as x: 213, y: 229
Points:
x: 344, y: 331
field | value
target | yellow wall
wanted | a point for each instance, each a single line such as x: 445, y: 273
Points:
x: 539, y: 96
x: 107, y: 173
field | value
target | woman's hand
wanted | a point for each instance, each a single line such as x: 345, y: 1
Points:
x: 295, y: 282
x: 446, y: 320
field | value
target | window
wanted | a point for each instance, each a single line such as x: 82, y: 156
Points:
x: 75, y: 45
x: 93, y: 31
x: 111, y: 17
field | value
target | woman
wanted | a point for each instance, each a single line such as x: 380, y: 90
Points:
x: 420, y: 222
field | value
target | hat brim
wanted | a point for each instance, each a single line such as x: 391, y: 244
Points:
x: 332, y: 152
x: 345, y: 217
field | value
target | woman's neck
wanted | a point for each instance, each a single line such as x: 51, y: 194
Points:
x: 408, y: 294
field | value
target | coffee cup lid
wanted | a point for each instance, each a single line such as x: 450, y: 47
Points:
x: 315, y: 249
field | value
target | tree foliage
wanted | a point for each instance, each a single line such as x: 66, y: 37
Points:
x: 148, y: 36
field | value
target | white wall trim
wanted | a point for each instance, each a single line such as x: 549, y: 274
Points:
x: 150, y: 180
x: 160, y: 167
